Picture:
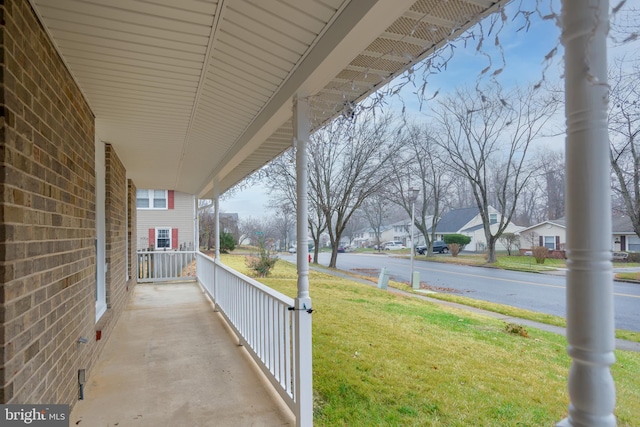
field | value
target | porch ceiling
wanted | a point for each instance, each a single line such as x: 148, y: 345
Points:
x: 195, y: 90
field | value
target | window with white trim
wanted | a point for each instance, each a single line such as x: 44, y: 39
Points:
x: 152, y: 199
x: 493, y: 218
x: 163, y: 238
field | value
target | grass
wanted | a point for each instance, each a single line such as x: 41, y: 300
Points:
x: 629, y: 276
x: 387, y: 360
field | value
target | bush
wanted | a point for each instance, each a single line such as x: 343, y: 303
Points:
x: 540, y: 253
x: 227, y: 242
x: 460, y: 239
x: 262, y: 264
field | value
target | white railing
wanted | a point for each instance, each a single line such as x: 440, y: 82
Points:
x: 262, y: 318
x: 157, y: 266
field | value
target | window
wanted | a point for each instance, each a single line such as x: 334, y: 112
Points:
x: 634, y: 247
x: 550, y: 242
x: 493, y: 218
x: 151, y: 199
x: 163, y: 238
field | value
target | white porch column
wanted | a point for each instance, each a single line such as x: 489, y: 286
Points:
x: 303, y: 353
x: 590, y: 315
x: 216, y: 206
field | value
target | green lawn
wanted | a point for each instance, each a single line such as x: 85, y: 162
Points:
x: 386, y: 360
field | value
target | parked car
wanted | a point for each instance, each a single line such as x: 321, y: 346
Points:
x: 392, y: 246
x: 292, y: 250
x: 438, y: 246
x: 342, y: 249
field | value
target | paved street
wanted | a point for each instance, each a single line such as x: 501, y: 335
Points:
x: 538, y: 292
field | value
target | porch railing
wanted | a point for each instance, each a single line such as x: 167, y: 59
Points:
x: 261, y: 317
x: 157, y: 266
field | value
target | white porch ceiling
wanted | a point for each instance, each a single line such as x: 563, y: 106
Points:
x: 195, y: 90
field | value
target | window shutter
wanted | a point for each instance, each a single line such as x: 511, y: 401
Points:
x: 152, y: 238
x: 541, y: 241
x: 557, y: 242
x: 170, y: 196
x: 174, y: 238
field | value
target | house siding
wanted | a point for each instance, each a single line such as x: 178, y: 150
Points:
x: 528, y: 240
x: 47, y: 219
x: 180, y: 217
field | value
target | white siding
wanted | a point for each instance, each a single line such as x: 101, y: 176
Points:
x: 181, y: 217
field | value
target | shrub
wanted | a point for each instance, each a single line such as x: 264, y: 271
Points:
x: 227, y: 242
x: 262, y: 263
x: 456, y: 239
x: 540, y: 253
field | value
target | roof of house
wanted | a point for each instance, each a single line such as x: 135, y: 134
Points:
x: 560, y: 222
x: 455, y: 219
x: 622, y: 225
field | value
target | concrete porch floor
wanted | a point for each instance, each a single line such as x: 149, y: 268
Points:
x: 172, y: 361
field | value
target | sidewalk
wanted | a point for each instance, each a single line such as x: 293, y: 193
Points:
x: 171, y: 361
x: 620, y: 344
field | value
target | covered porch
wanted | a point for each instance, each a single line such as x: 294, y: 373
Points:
x: 172, y: 360
x: 101, y: 98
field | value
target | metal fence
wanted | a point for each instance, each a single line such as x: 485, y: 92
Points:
x: 157, y: 266
x: 261, y: 317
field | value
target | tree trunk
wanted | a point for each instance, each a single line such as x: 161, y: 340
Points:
x: 491, y: 250
x: 334, y: 257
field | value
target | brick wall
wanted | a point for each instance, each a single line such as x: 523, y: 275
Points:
x: 132, y: 232
x: 116, y: 196
x: 48, y: 219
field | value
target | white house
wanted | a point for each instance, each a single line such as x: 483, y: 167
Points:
x: 551, y: 234
x: 468, y: 221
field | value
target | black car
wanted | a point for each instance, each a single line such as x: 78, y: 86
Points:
x: 438, y: 246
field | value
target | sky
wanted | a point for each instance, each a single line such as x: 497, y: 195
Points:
x: 524, y: 52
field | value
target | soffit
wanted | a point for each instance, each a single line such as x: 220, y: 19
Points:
x: 200, y: 90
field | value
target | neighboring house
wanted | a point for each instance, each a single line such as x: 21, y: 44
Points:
x: 551, y: 234
x: 468, y: 221
x: 165, y: 220
x: 624, y: 237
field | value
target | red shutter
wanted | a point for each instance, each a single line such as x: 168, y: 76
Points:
x: 541, y: 241
x: 557, y: 242
x: 170, y: 197
x: 152, y: 238
x: 174, y: 238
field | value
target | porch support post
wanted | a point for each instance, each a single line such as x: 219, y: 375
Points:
x: 590, y: 315
x: 303, y: 353
x: 216, y: 207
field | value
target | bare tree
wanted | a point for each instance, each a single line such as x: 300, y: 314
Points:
x: 376, y: 210
x: 486, y: 135
x: 348, y: 160
x: 423, y: 169
x: 624, y: 130
x: 280, y: 177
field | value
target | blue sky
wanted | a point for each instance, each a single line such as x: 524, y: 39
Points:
x: 524, y: 51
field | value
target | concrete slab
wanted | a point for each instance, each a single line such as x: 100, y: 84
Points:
x: 171, y: 361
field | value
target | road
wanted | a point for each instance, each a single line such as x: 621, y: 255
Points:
x: 543, y: 293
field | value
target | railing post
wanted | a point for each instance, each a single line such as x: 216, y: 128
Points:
x: 303, y: 307
x: 590, y: 315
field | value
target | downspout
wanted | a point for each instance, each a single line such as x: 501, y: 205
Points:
x: 590, y: 314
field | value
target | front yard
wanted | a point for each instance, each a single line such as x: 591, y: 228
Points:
x: 383, y: 359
